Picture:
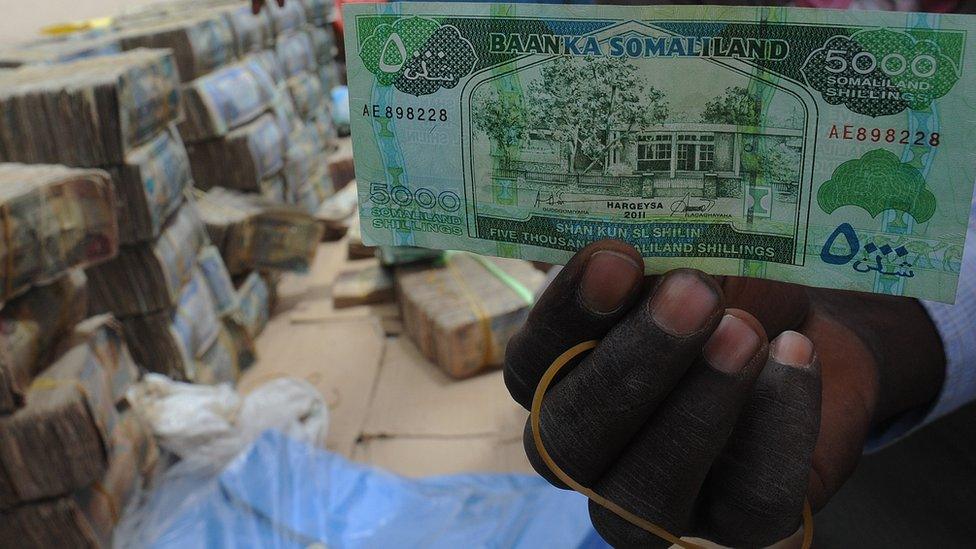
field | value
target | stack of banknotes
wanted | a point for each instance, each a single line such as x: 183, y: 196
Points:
x: 296, y: 53
x: 462, y: 311
x: 254, y: 233
x: 287, y: 18
x: 255, y: 298
x: 242, y: 158
x: 148, y: 278
x: 225, y: 99
x: 820, y: 147
x: 200, y: 44
x: 54, y: 219
x: 87, y: 113
x: 87, y: 517
x: 367, y: 286
x: 30, y: 326
x: 337, y: 213
x: 149, y: 186
x: 251, y: 34
x: 56, y: 443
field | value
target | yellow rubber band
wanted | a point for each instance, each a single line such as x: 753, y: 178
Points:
x: 534, y: 418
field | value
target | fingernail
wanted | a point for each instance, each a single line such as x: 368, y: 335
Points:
x: 683, y: 303
x: 609, y: 278
x: 732, y: 345
x: 792, y: 349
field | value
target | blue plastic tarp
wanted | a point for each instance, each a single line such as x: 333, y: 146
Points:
x: 284, y: 493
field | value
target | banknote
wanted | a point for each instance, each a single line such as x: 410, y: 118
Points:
x: 821, y: 147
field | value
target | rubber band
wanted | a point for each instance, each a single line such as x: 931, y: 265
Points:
x: 535, y: 421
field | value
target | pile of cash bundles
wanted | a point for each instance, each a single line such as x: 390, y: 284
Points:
x: 119, y: 113
x: 72, y: 454
x: 255, y: 89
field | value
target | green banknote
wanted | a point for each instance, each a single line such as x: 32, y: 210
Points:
x: 827, y: 148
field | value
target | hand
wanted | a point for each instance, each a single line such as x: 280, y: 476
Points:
x: 258, y: 5
x: 685, y: 415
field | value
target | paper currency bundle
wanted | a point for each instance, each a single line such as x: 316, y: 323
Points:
x: 317, y: 11
x: 225, y: 99
x: 149, y: 186
x: 254, y: 233
x: 170, y: 341
x: 231, y: 353
x: 242, y: 158
x: 254, y: 295
x: 86, y: 113
x: 87, y: 517
x: 199, y: 44
x: 295, y: 53
x: 336, y: 213
x: 302, y: 157
x: 462, y: 312
x: 225, y: 299
x: 145, y: 279
x: 268, y: 59
x: 57, y: 442
x: 54, y: 219
x: 251, y: 32
x: 287, y: 18
x: 374, y: 284
x: 316, y: 189
x: 307, y: 93
x: 30, y: 326
x: 57, y: 51
x: 323, y: 45
x: 355, y: 247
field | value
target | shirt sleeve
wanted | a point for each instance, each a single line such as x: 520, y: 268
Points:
x: 957, y: 327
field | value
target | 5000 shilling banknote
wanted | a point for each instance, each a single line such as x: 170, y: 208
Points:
x: 820, y: 147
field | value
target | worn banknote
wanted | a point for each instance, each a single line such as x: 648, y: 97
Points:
x: 821, y: 147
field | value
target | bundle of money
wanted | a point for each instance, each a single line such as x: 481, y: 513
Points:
x: 283, y: 109
x: 373, y: 284
x: 302, y: 155
x: 149, y: 186
x: 462, y: 312
x: 29, y: 327
x: 221, y: 286
x: 337, y: 213
x: 325, y: 125
x: 255, y: 303
x: 323, y: 44
x: 391, y: 256
x: 86, y: 113
x: 252, y: 33
x: 57, y: 442
x: 306, y: 92
x: 199, y: 44
x: 88, y: 517
x: 225, y: 359
x: 287, y: 18
x: 145, y: 279
x: 295, y: 53
x: 268, y: 60
x: 315, y: 190
x: 255, y: 233
x: 54, y: 219
x: 60, y: 51
x: 355, y: 248
x: 225, y: 99
x: 341, y: 167
x: 169, y: 341
x: 821, y: 147
x: 242, y: 158
x: 318, y: 12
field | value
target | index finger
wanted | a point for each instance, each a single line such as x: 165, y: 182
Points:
x: 592, y: 293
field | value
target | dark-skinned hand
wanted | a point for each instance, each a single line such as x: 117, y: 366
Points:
x: 687, y: 415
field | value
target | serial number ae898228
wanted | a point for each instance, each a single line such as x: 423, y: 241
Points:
x: 421, y: 114
x: 849, y: 132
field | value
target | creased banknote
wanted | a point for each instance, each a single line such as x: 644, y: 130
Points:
x: 820, y: 147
